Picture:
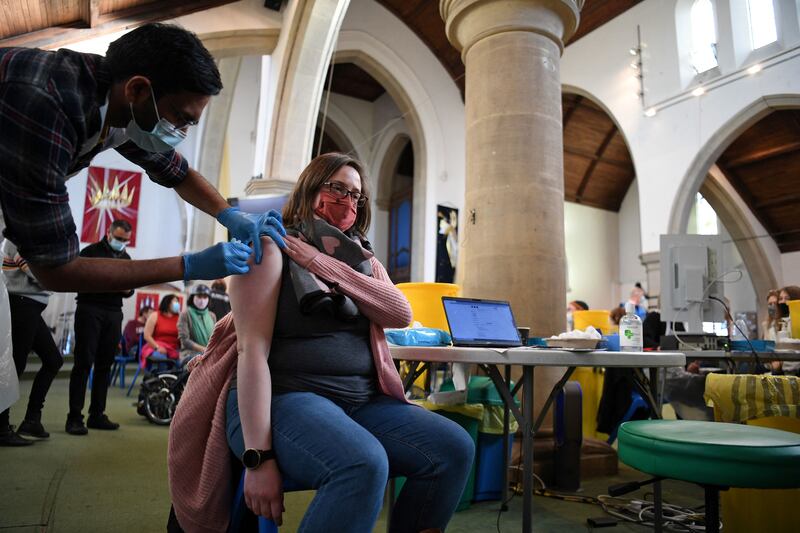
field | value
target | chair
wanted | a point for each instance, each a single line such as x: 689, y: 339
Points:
x: 121, y: 361
x: 715, y: 455
x: 637, y: 403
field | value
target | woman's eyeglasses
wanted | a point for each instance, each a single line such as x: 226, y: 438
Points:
x: 340, y: 191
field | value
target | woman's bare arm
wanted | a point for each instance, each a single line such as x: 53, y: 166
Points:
x: 254, y: 302
x: 149, y: 328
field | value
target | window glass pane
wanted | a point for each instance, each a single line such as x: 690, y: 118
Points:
x: 762, y: 23
x: 706, y: 217
x: 704, y: 36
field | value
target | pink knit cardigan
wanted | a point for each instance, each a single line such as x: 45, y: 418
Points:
x: 198, y: 454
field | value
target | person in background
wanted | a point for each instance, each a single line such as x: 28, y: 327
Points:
x: 574, y: 305
x: 29, y: 333
x: 161, y: 330
x: 784, y: 328
x: 98, y: 325
x: 637, y: 298
x: 195, y: 324
x: 134, y: 328
x: 615, y: 315
x: 219, y: 303
x: 769, y: 326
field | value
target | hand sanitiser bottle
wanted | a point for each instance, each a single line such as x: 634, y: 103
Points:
x: 630, y: 331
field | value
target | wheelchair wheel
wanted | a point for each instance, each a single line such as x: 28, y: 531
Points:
x: 161, y: 400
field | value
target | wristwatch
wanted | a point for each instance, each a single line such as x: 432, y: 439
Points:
x: 252, y: 458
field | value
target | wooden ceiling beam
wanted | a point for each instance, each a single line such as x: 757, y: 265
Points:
x: 571, y: 111
x: 761, y: 155
x: 58, y: 36
x: 781, y: 201
x: 593, y: 156
x: 598, y: 155
x: 747, y: 196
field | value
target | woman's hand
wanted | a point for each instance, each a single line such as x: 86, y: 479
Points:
x: 300, y: 251
x: 154, y: 345
x: 263, y: 491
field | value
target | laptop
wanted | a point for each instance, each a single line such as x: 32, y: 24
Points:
x: 474, y: 322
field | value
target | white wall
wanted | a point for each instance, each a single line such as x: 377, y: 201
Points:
x: 242, y: 123
x: 630, y: 245
x: 592, y: 245
x: 791, y: 268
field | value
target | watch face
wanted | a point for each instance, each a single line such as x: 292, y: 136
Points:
x: 251, y: 458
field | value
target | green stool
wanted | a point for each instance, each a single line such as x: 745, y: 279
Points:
x: 714, y: 455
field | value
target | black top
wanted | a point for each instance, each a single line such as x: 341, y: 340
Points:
x: 219, y: 304
x: 320, y: 352
x: 106, y: 300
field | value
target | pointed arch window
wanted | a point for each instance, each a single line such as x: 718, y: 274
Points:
x: 704, y: 36
x: 761, y: 16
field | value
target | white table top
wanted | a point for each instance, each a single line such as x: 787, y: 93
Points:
x: 536, y: 356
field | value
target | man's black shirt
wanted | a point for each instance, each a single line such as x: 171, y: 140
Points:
x: 106, y: 300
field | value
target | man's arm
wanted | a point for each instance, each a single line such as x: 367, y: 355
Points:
x: 199, y: 193
x: 85, y: 274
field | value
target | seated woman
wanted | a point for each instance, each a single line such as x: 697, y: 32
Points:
x: 161, y: 330
x: 195, y: 324
x: 317, y: 391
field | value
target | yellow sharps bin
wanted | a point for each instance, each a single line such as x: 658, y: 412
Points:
x: 427, y: 308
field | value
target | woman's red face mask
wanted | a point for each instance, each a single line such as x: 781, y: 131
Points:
x: 338, y: 212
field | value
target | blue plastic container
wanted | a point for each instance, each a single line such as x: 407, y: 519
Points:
x: 758, y: 345
x: 612, y: 342
x: 489, y: 468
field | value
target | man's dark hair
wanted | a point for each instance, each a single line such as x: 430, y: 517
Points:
x: 144, y: 310
x: 172, y: 58
x: 119, y: 223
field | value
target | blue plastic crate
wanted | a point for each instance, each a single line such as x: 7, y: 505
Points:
x: 489, y: 468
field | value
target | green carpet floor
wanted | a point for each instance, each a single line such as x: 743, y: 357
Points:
x: 116, y: 481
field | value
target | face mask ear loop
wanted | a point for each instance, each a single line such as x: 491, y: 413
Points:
x: 155, y: 106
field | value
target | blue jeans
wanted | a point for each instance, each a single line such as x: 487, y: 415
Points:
x: 348, y: 453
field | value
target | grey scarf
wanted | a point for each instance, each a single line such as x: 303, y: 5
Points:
x: 314, y: 294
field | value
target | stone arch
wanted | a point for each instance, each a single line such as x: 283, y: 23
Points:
x: 713, y: 148
x: 344, y: 131
x: 732, y: 212
x: 310, y: 37
x: 232, y: 43
x: 573, y: 89
x: 387, y: 164
x: 727, y: 204
x: 402, y: 84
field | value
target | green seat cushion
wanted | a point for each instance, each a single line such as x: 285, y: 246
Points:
x: 712, y: 453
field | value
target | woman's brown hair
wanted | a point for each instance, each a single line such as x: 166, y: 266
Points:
x: 300, y: 206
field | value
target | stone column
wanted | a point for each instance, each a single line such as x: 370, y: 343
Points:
x: 512, y: 244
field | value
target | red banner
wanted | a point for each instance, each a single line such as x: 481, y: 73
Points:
x: 147, y: 299
x: 111, y: 194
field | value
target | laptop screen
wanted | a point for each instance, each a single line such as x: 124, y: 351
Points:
x: 480, y: 322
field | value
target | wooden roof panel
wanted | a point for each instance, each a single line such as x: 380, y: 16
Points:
x: 763, y: 165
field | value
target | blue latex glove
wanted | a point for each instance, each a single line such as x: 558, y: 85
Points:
x: 248, y: 227
x: 218, y: 261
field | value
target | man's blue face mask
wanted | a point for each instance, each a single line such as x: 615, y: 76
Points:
x: 164, y: 137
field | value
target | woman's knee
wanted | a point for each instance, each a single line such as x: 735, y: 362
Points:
x: 458, y: 448
x: 367, y: 463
